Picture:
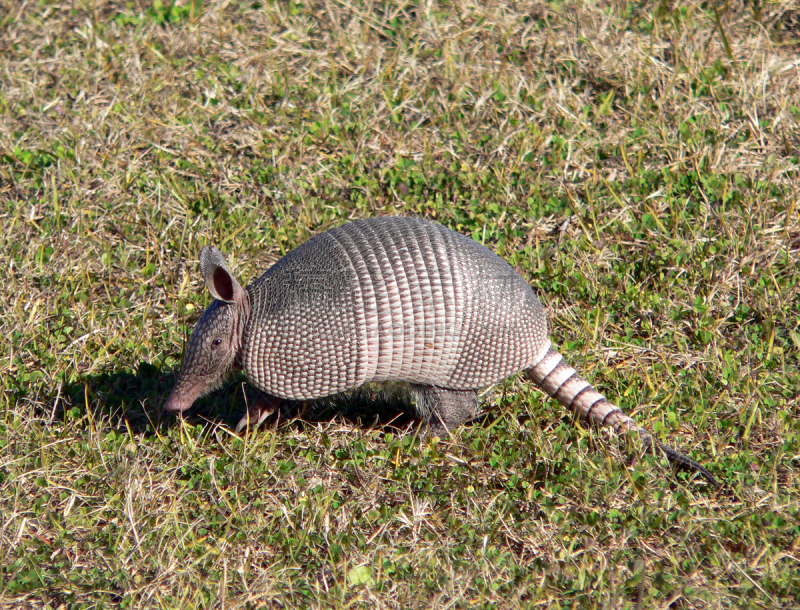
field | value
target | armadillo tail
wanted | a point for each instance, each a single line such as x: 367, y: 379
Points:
x: 681, y: 459
x: 563, y: 383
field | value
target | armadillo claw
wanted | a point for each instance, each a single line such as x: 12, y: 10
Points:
x: 261, y: 409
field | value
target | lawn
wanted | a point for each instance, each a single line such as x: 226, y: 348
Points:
x: 636, y: 162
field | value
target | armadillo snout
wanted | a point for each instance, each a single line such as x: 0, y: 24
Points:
x: 179, y: 402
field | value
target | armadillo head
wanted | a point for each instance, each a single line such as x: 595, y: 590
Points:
x: 216, y: 341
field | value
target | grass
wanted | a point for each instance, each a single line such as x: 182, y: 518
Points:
x: 637, y: 162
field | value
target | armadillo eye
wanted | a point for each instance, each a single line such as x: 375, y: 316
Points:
x: 217, y: 341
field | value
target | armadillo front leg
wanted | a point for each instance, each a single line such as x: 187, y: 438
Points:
x: 444, y: 409
x: 262, y: 407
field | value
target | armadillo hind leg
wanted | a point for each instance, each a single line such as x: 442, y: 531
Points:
x: 444, y: 410
x: 563, y: 383
x: 261, y: 408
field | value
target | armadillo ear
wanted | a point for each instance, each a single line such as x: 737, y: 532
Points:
x: 219, y: 281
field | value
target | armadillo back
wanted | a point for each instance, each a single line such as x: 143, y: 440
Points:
x: 389, y: 299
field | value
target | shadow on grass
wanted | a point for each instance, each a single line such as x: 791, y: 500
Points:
x: 134, y: 400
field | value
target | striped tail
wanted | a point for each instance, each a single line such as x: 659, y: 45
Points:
x: 563, y: 383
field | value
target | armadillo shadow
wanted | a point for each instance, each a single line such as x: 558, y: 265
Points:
x: 134, y: 400
x: 122, y: 399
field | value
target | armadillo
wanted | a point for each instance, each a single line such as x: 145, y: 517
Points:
x: 389, y: 299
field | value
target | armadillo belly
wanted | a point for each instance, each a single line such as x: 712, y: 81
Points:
x: 389, y: 299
